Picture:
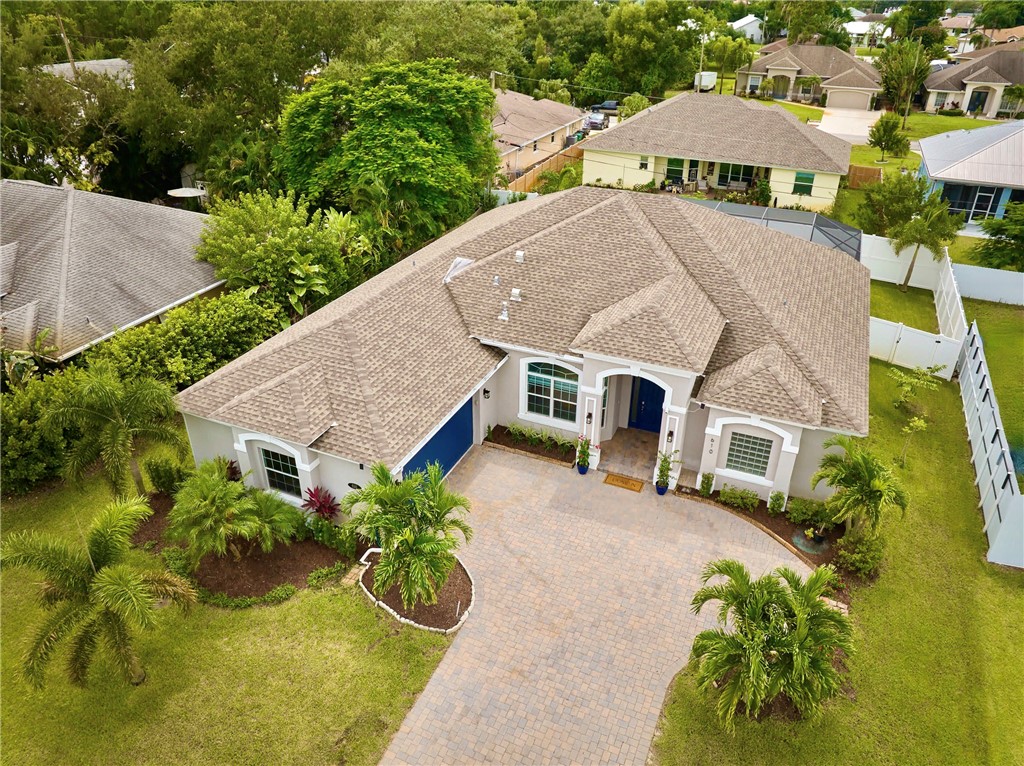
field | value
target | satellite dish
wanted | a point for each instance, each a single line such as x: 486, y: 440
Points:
x: 187, y: 192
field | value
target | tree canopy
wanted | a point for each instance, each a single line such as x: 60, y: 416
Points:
x: 1004, y: 248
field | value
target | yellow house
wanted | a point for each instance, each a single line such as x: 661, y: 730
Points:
x: 699, y: 141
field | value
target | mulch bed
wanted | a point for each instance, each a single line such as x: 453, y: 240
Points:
x: 258, y: 573
x: 152, y: 529
x: 457, y: 594
x: 500, y: 435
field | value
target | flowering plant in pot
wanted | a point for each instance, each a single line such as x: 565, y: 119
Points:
x: 582, y: 454
x: 665, y: 461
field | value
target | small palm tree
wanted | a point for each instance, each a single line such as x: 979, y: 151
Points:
x: 112, y: 415
x: 783, y: 641
x: 931, y: 226
x: 441, y: 510
x: 419, y: 562
x: 866, y: 490
x: 94, y: 596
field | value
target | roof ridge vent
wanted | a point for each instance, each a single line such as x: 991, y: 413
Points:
x: 517, y: 295
x: 503, y: 316
x: 520, y: 256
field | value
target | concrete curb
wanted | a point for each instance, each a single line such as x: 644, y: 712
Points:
x: 364, y: 562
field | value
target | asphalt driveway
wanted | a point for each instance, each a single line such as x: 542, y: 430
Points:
x: 849, y: 124
x: 581, y: 619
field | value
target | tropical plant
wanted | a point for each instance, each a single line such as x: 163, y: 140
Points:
x: 885, y: 136
x: 665, y: 461
x: 866, y: 490
x: 419, y: 562
x: 550, y: 181
x: 776, y: 637
x: 633, y: 104
x: 583, y: 451
x: 165, y: 474
x: 913, y: 426
x: 931, y: 226
x: 111, y: 416
x: 776, y: 503
x: 904, y: 66
x: 744, y: 499
x: 95, y: 597
x: 707, y: 482
x: 910, y: 381
x: 1004, y: 246
x: 321, y: 502
x: 213, y: 514
x: 891, y: 203
x: 861, y: 555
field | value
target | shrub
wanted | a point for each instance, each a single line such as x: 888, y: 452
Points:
x: 326, y: 533
x: 862, y: 556
x: 744, y: 499
x: 517, y: 432
x: 321, y: 502
x: 707, y: 481
x: 951, y: 112
x: 192, y: 341
x: 323, y: 575
x: 33, y: 451
x: 776, y: 502
x: 824, y: 98
x: 165, y: 474
x: 281, y: 593
x: 805, y: 513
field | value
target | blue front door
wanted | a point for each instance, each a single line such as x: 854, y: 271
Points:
x: 646, y: 405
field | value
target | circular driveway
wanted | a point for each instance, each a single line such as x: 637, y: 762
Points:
x: 582, y: 616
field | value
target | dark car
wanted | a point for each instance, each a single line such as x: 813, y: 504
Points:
x: 607, y: 107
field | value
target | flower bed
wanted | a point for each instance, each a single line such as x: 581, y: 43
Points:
x: 534, y: 444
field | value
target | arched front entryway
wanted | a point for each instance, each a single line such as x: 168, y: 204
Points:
x: 780, y: 86
x: 631, y: 423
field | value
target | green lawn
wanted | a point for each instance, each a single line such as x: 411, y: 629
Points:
x: 960, y: 250
x: 920, y: 124
x: 802, y: 111
x: 869, y: 51
x: 322, y: 678
x: 914, y: 308
x: 936, y: 678
x: 861, y: 154
x: 1002, y: 330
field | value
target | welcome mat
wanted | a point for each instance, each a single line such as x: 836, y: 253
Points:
x: 618, y: 480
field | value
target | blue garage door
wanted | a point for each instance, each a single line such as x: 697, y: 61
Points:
x: 448, y: 444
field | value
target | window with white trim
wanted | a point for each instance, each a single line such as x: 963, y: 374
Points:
x: 643, y: 162
x: 940, y: 100
x: 551, y: 391
x: 804, y: 183
x: 749, y: 454
x: 282, y: 472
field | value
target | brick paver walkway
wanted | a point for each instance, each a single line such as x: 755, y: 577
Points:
x: 581, y: 621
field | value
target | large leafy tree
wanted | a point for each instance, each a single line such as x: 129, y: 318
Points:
x: 804, y: 20
x: 1004, y: 247
x: 904, y: 68
x: 111, y: 417
x: 597, y: 81
x: 885, y: 136
x: 95, y: 596
x: 776, y: 637
x: 650, y: 46
x: 891, y: 203
x: 866, y: 489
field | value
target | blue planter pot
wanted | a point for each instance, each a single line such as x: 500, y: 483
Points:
x: 582, y: 469
x: 661, y: 489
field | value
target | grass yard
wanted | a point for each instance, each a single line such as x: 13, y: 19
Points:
x: 914, y: 308
x: 960, y: 250
x: 869, y: 52
x: 802, y: 111
x: 936, y: 678
x: 322, y: 678
x: 861, y: 154
x: 921, y: 125
x: 1002, y: 330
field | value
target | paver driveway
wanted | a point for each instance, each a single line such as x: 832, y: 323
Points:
x: 581, y: 619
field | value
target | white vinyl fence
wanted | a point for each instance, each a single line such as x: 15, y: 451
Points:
x: 1001, y: 503
x: 896, y: 343
x: 990, y: 284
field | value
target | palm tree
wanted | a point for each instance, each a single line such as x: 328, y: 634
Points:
x: 95, y: 597
x: 932, y: 226
x: 419, y: 561
x: 213, y: 514
x: 441, y: 510
x: 783, y: 642
x: 112, y: 415
x: 866, y: 490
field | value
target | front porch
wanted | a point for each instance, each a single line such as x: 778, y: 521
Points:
x: 631, y: 452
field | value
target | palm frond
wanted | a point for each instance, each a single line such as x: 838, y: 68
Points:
x: 110, y: 534
x: 118, y: 639
x: 171, y: 587
x: 65, y: 567
x: 122, y: 590
x: 83, y: 649
x: 48, y: 637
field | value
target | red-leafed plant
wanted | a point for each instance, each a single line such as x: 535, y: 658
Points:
x: 321, y: 502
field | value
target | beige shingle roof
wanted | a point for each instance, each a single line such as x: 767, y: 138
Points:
x: 825, y: 61
x: 521, y: 118
x: 726, y: 129
x: 646, y: 277
x: 1002, y: 64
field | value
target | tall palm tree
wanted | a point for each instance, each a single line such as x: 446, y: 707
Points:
x: 95, y: 597
x: 783, y: 640
x: 112, y: 415
x: 931, y: 226
x: 866, y: 489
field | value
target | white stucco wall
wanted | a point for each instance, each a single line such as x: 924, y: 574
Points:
x: 617, y: 168
x: 807, y: 461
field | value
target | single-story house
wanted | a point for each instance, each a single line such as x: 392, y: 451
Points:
x: 847, y: 81
x: 750, y: 27
x: 528, y: 130
x: 962, y: 22
x: 594, y: 312
x: 723, y: 142
x: 977, y: 83
x: 867, y: 33
x: 978, y: 171
x: 85, y: 265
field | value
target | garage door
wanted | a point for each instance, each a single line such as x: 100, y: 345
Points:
x: 447, y: 445
x: 848, y: 99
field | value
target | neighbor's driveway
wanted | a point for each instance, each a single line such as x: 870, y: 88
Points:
x: 582, y: 616
x: 849, y: 124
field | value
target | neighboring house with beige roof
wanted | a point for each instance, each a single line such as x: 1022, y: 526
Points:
x: 528, y: 130
x: 978, y: 82
x: 847, y: 81
x: 85, y: 265
x: 724, y: 141
x: 592, y: 311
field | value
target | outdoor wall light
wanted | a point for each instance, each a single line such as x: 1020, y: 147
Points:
x: 590, y: 418
x: 487, y: 393
x: 669, y: 437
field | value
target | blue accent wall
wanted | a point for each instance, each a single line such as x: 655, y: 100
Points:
x: 447, y: 445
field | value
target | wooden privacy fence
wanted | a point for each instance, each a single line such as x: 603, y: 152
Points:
x: 860, y: 176
x: 555, y: 163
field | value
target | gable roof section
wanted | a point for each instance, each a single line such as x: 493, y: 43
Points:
x: 851, y: 78
x: 748, y: 19
x: 1006, y: 61
x: 726, y: 129
x: 520, y: 118
x: 990, y: 155
x: 825, y: 61
x: 94, y: 263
